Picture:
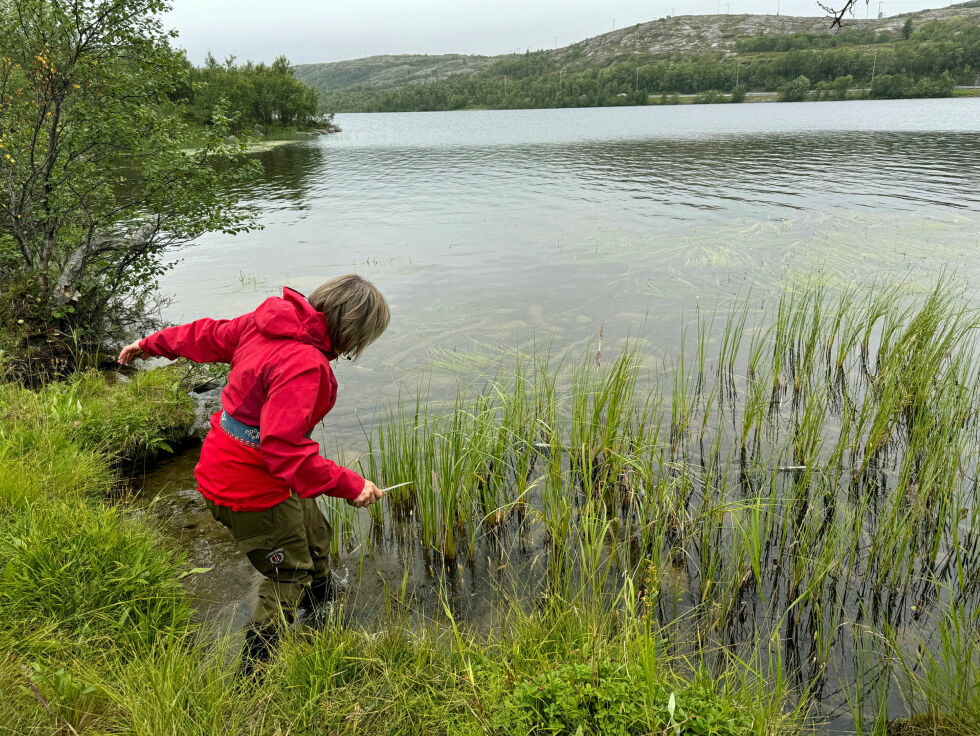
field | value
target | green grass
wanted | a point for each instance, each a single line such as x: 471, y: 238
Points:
x: 74, y: 568
x: 784, y: 520
x: 127, y: 419
x: 550, y: 675
x: 97, y: 634
x: 808, y: 479
x: 82, y: 581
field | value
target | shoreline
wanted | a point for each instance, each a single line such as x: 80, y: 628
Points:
x: 96, y: 605
x: 78, y: 551
x: 261, y: 145
x: 724, y: 98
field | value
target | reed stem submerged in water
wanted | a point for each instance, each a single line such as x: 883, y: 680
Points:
x: 814, y: 474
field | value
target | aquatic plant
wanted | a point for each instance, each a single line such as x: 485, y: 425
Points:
x: 810, y: 472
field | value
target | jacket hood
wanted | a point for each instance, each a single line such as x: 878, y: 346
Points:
x: 293, y: 317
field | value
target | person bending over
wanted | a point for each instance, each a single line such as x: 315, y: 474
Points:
x: 259, y: 471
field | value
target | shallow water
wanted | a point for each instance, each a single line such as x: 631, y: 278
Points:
x: 490, y: 230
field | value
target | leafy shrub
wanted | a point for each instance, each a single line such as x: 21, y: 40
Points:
x: 895, y: 86
x: 604, y: 698
x: 601, y: 700
x: 795, y: 91
x: 698, y: 709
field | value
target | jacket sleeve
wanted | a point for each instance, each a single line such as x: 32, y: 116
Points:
x: 290, y: 455
x: 203, y: 341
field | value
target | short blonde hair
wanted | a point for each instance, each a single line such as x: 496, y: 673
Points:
x: 356, y: 313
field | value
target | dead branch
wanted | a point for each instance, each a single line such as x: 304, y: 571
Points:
x: 837, y: 16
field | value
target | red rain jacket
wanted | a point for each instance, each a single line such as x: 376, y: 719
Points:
x: 281, y: 382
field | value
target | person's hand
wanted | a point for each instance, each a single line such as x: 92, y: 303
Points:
x: 130, y: 352
x: 369, y: 494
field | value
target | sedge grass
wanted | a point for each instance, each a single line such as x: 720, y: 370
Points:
x: 750, y: 545
x: 808, y: 480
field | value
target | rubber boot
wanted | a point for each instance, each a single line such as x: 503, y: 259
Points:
x: 316, y: 603
x: 260, y: 643
x: 321, y: 600
x: 320, y: 592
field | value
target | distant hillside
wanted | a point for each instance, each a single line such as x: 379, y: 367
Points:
x: 665, y: 38
x: 692, y: 34
x: 387, y: 71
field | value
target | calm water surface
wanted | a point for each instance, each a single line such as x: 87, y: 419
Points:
x: 490, y: 230
x: 501, y: 227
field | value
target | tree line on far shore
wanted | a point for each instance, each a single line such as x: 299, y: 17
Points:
x: 913, y: 62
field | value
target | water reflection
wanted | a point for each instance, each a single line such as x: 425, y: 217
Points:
x: 504, y: 227
x: 289, y: 178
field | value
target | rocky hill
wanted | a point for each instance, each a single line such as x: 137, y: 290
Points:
x: 665, y: 37
x: 691, y: 34
x: 388, y: 71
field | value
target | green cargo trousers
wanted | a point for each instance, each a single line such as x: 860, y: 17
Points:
x: 289, y: 544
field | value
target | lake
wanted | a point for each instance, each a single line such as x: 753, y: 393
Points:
x: 575, y: 230
x: 498, y: 228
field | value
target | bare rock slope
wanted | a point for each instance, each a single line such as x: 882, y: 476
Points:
x: 687, y: 34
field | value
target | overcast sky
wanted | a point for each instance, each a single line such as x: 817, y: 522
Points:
x: 329, y: 30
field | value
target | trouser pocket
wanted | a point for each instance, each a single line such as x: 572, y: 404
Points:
x: 319, y: 536
x: 275, y: 542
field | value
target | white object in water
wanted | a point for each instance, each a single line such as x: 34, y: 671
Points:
x: 391, y: 488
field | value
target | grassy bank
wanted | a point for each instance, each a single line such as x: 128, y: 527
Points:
x: 779, y: 529
x: 83, y: 581
x: 98, y: 638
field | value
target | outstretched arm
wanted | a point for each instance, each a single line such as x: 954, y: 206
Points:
x: 203, y: 341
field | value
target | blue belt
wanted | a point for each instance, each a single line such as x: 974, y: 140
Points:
x: 244, y: 433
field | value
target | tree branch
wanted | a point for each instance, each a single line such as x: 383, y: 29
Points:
x: 838, y: 15
x: 65, y: 289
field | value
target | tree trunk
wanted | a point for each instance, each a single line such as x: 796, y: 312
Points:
x: 50, y: 226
